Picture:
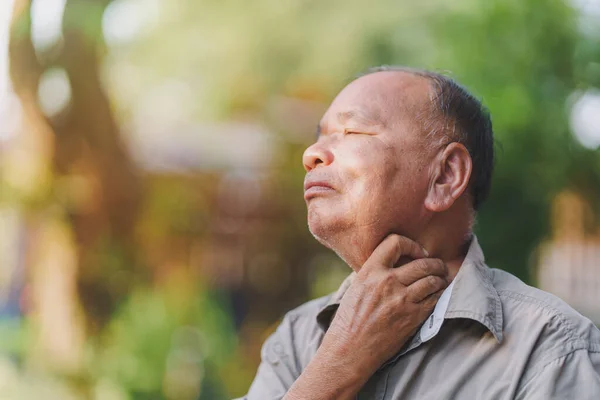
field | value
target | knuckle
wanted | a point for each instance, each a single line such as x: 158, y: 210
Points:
x: 437, y: 268
x: 423, y: 265
x: 402, y: 298
x: 442, y: 266
x: 402, y: 242
x: 433, y: 281
x: 398, y: 247
x: 391, y: 281
x: 386, y: 283
x: 394, y: 237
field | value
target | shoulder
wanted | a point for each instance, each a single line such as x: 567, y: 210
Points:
x: 301, y: 322
x: 532, y: 315
x: 521, y: 301
x: 534, y: 307
x: 308, y: 310
x: 283, y: 355
x: 298, y: 336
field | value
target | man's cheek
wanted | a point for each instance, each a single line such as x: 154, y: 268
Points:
x: 367, y: 194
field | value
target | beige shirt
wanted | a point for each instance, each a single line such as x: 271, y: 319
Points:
x: 489, y: 337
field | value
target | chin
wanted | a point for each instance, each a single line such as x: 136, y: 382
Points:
x: 321, y: 236
x: 327, y: 230
x: 335, y: 238
x: 320, y: 232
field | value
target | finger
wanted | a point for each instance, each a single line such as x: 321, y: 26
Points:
x: 420, y: 268
x: 391, y: 248
x: 430, y: 301
x: 425, y: 287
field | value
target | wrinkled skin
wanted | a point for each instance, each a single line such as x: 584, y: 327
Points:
x: 371, y: 152
x: 392, y: 202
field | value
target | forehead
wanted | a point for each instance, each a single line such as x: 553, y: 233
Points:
x: 384, y: 98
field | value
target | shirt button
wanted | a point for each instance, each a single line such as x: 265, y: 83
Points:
x: 278, y: 347
x: 275, y: 353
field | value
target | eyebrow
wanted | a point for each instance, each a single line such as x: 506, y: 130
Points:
x: 367, y: 118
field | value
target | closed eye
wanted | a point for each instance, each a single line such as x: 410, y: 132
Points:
x: 356, y: 132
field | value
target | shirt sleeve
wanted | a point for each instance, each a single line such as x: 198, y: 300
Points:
x: 573, y: 376
x: 279, y: 367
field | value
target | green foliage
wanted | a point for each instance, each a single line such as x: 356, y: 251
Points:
x: 523, y: 58
x: 15, y: 337
x: 161, y: 341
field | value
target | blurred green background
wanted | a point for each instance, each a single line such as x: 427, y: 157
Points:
x: 152, y: 225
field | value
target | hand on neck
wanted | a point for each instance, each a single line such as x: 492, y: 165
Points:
x: 446, y: 236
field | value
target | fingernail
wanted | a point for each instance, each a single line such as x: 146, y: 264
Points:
x: 425, y: 252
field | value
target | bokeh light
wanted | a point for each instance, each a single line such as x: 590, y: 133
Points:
x: 152, y: 225
x: 585, y: 119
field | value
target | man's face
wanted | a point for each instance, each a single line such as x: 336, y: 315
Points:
x: 369, y: 170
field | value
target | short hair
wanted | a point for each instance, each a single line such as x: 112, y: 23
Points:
x: 460, y: 117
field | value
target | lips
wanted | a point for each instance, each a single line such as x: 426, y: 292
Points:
x: 316, y: 188
x: 312, y: 184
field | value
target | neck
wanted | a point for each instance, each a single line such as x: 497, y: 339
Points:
x: 355, y: 248
x: 446, y: 236
x: 452, y: 250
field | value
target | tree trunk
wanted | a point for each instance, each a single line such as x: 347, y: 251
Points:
x: 75, y: 171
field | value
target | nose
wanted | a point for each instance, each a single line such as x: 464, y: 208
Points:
x: 316, y: 154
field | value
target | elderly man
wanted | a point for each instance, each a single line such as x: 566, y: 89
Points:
x: 402, y: 162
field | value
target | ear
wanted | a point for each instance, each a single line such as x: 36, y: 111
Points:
x: 450, y: 177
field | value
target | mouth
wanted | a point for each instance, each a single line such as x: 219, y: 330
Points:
x: 316, y: 188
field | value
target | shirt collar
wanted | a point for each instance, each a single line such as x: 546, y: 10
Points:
x: 471, y: 295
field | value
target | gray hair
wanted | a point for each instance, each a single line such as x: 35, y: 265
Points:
x: 457, y: 116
